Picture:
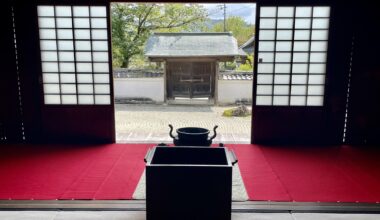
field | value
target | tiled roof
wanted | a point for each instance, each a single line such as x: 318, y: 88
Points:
x: 137, y: 73
x: 191, y: 45
x: 233, y: 75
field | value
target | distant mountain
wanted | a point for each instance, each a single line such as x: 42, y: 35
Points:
x: 211, y: 22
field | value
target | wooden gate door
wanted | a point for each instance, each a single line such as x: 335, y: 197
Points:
x: 190, y: 79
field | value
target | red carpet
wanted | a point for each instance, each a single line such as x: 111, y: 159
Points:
x: 326, y: 174
x: 310, y: 174
x: 70, y: 172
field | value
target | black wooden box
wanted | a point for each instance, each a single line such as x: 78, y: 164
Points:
x: 188, y: 183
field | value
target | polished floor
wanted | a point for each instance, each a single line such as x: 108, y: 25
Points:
x: 140, y: 215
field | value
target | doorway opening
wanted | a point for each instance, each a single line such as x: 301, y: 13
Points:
x: 189, y: 65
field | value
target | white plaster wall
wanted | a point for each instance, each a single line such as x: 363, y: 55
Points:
x: 152, y: 88
x: 231, y: 90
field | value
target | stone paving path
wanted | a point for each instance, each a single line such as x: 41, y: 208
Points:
x: 148, y: 123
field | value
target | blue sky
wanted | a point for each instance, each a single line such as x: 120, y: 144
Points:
x: 244, y: 10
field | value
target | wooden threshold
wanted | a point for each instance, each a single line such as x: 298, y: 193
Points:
x: 139, y: 205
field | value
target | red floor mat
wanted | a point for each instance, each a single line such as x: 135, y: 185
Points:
x: 310, y: 174
x: 325, y: 174
x: 70, y: 172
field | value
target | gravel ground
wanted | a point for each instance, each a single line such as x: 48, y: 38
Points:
x: 147, y: 123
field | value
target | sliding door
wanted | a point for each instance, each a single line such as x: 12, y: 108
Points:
x: 291, y: 87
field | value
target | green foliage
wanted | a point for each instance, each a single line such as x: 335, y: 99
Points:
x: 133, y: 23
x: 248, y: 65
x: 239, y: 28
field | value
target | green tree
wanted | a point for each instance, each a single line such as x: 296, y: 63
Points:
x: 133, y: 23
x: 239, y: 28
x: 248, y: 65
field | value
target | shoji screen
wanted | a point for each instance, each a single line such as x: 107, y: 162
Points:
x: 292, y: 55
x: 74, y: 55
x: 292, y: 72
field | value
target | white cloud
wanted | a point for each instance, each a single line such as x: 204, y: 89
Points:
x: 244, y: 10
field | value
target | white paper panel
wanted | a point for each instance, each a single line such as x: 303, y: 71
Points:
x: 50, y: 78
x: 300, y: 68
x: 281, y: 79
x: 303, y: 12
x: 285, y: 23
x: 46, y: 22
x: 266, y: 57
x: 265, y: 68
x: 298, y: 90
x: 315, y: 100
x: 51, y: 88
x: 66, y: 56
x: 65, y: 45
x: 316, y: 79
x: 317, y: 68
x: 301, y: 35
x: 283, y: 46
x: 48, y: 56
x: 86, y: 99
x: 281, y: 90
x: 280, y: 100
x: 84, y: 67
x: 98, y: 23
x: 264, y: 90
x: 65, y: 34
x: 100, y: 56
x: 66, y: 67
x: 268, y: 23
x: 266, y: 35
x: 322, y: 23
x: 316, y: 90
x: 319, y: 35
x: 101, y: 67
x: 82, y: 34
x: 318, y: 57
x: 67, y: 78
x: 303, y: 23
x: 100, y: 45
x: 283, y: 57
x: 103, y: 99
x: 52, y: 99
x: 102, y: 89
x: 264, y: 79
x: 85, y: 89
x: 83, y: 56
x: 284, y: 35
x: 301, y: 46
x: 63, y: 11
x: 45, y: 10
x: 300, y: 57
x: 69, y: 99
x: 282, y: 68
x: 285, y: 11
x: 268, y: 12
x: 318, y: 46
x: 299, y: 79
x: 98, y: 11
x: 48, y: 45
x: 47, y: 34
x: 99, y: 34
x: 81, y: 22
x: 84, y: 78
x: 298, y: 100
x: 64, y: 23
x: 49, y: 67
x: 263, y: 100
x: 82, y: 45
x: 101, y: 78
x: 68, y: 89
x: 321, y: 12
x: 266, y: 46
x: 81, y: 11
